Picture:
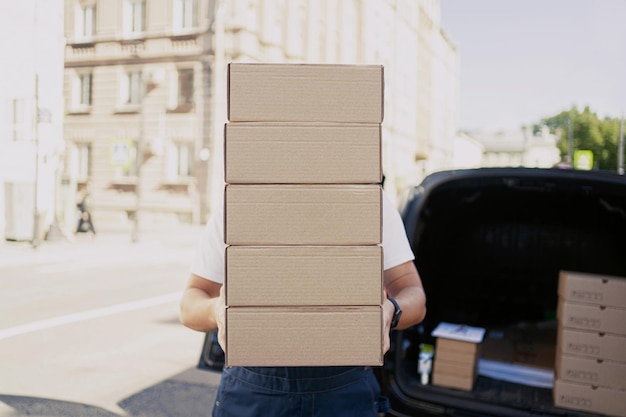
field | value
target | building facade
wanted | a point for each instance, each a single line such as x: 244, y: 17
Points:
x: 31, y: 131
x: 145, y: 90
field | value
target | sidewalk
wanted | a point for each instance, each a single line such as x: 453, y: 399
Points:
x: 179, y: 240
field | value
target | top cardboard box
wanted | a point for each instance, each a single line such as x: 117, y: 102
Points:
x: 305, y: 93
x: 603, y: 290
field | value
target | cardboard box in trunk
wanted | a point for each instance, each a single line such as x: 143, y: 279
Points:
x: 594, y: 345
x: 464, y: 383
x: 594, y: 317
x: 304, y: 275
x: 304, y: 336
x: 586, y: 397
x: 281, y: 153
x: 529, y: 344
x: 303, y: 214
x: 305, y: 93
x: 457, y: 350
x: 608, y: 291
x: 592, y: 371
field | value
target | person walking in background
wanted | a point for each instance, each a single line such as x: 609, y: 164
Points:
x: 283, y: 391
x: 85, y: 220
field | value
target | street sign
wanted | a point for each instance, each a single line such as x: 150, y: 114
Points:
x: 120, y: 153
x: 583, y: 159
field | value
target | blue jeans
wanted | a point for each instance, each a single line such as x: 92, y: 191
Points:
x: 299, y: 392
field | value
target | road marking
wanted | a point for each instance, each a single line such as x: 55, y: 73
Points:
x: 86, y: 315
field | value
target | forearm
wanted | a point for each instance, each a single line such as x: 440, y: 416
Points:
x: 198, y: 310
x: 405, y: 286
x: 412, y: 301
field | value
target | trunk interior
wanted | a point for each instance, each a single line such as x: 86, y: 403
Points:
x: 489, y: 252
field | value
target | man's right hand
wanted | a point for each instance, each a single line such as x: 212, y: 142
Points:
x: 220, y: 315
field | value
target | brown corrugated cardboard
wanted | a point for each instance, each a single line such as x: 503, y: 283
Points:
x: 305, y: 93
x: 527, y: 344
x: 453, y: 381
x: 589, y: 398
x: 303, y: 275
x: 301, y: 336
x: 303, y: 215
x: 593, y: 345
x: 594, y: 289
x: 449, y: 346
x: 592, y: 371
x: 281, y: 153
x: 441, y: 366
x: 592, y: 317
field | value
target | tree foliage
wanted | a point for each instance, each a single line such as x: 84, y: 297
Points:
x: 601, y: 136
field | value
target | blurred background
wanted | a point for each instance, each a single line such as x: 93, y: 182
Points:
x: 122, y: 102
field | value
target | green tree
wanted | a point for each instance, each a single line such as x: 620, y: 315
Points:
x: 588, y: 132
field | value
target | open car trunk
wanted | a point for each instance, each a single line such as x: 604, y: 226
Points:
x: 489, y: 246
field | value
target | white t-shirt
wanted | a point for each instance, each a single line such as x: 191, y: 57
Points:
x: 208, y: 261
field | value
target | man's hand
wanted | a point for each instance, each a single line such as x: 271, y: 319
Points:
x: 388, y: 312
x: 220, y: 317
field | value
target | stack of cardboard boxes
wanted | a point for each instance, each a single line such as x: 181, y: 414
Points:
x: 591, y: 347
x: 456, y: 355
x: 303, y: 215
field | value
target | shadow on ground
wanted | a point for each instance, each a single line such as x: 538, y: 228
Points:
x: 187, y: 394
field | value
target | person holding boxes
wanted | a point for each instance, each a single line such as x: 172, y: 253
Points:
x: 306, y: 267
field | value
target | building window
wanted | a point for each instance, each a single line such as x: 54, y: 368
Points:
x: 82, y: 92
x: 20, y: 119
x: 131, y: 89
x: 135, y: 17
x: 86, y: 20
x: 179, y: 161
x: 185, y: 87
x: 84, y: 161
x: 184, y: 159
x: 85, y: 83
x: 185, y: 14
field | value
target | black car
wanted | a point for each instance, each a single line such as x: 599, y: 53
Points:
x: 489, y: 246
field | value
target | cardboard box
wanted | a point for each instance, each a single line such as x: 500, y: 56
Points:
x: 303, y: 214
x: 305, y: 93
x: 457, y: 351
x: 526, y: 344
x: 589, y: 398
x: 609, y: 291
x: 592, y: 317
x: 591, y: 371
x: 453, y: 381
x: 304, y: 275
x: 461, y: 369
x: 605, y: 346
x: 304, y: 336
x: 281, y: 153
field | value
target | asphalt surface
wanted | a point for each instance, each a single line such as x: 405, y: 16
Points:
x: 89, y: 327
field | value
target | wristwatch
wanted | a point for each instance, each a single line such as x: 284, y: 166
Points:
x: 396, y: 314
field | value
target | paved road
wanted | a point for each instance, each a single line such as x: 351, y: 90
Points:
x: 90, y: 328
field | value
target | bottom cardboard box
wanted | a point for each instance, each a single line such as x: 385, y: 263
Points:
x: 453, y: 381
x: 586, y: 397
x: 304, y: 336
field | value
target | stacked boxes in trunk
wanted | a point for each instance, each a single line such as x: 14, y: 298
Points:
x: 457, y: 351
x: 591, y: 347
x: 303, y: 215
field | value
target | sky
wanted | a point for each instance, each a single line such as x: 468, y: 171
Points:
x: 524, y: 60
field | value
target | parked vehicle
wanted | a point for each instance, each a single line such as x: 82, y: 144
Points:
x: 489, y: 246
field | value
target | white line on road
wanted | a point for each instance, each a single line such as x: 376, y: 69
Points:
x: 86, y: 315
